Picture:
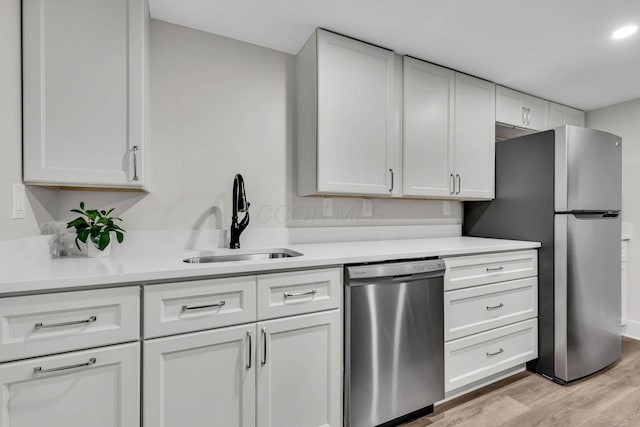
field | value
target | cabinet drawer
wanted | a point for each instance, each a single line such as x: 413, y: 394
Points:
x: 286, y: 294
x: 480, y: 308
x: 472, y: 358
x: 191, y: 306
x: 473, y: 270
x: 52, y: 323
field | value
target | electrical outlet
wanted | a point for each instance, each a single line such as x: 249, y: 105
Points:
x: 327, y: 207
x: 18, y: 201
x: 446, y: 208
x: 367, y: 207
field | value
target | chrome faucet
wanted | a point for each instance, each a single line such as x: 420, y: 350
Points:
x: 240, y: 204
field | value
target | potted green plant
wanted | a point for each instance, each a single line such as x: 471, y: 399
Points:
x: 96, y: 227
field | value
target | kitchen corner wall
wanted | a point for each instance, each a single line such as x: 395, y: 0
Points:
x: 218, y: 107
x: 623, y: 120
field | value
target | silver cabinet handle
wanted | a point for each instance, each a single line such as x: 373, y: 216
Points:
x: 40, y: 325
x: 496, y: 353
x: 459, y: 182
x: 494, y: 307
x: 524, y: 116
x: 528, y: 116
x: 249, y: 337
x: 452, y: 184
x: 494, y: 269
x: 300, y: 294
x: 200, y: 307
x: 391, y: 188
x: 39, y: 371
x: 135, y: 163
x: 264, y: 346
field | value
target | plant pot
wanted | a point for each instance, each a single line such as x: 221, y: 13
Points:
x: 94, y: 252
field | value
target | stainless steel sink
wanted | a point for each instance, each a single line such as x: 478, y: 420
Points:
x: 245, y: 256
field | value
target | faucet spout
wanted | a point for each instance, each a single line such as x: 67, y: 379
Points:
x: 240, y: 204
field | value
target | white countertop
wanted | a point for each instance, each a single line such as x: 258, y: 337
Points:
x: 82, y: 272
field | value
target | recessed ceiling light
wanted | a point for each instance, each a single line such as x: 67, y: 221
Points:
x: 624, y: 32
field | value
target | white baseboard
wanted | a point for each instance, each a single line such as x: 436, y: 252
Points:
x: 452, y: 394
x: 632, y: 329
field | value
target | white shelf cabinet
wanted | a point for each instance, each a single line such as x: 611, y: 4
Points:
x: 449, y: 133
x: 521, y: 110
x: 560, y: 115
x: 97, y: 388
x: 346, y: 117
x: 427, y: 150
x: 474, y: 128
x: 84, y: 73
x: 299, y: 371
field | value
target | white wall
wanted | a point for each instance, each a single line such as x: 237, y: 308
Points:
x: 221, y: 107
x: 624, y: 120
x: 10, y: 122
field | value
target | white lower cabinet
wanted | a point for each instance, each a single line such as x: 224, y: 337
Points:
x: 97, y: 388
x: 300, y: 371
x: 201, y: 379
x: 490, y: 317
x: 284, y: 372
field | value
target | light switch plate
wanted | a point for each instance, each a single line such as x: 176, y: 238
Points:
x: 367, y: 207
x: 327, y: 207
x: 446, y: 208
x: 18, y: 201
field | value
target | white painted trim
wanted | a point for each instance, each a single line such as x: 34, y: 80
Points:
x: 481, y: 383
x: 631, y: 330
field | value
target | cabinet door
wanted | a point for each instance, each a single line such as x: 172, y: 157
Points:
x: 559, y: 115
x: 83, y: 75
x: 537, y: 115
x: 355, y: 116
x: 201, y: 379
x: 474, y: 156
x: 300, y: 371
x: 509, y: 107
x: 428, y: 129
x: 97, y: 388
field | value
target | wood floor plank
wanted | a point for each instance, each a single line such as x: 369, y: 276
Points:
x: 608, y: 399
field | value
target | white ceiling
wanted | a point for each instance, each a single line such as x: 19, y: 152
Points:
x: 556, y: 49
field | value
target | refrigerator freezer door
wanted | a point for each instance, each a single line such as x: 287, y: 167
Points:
x: 588, y: 166
x: 587, y: 294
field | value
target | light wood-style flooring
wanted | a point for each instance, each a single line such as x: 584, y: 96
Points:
x: 609, y: 399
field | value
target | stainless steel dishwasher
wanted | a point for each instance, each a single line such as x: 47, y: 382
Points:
x: 394, y: 341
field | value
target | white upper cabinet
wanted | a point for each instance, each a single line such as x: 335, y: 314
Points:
x: 521, y: 110
x: 84, y: 73
x: 428, y: 96
x: 346, y: 116
x: 560, y: 115
x: 449, y: 133
x: 475, y: 137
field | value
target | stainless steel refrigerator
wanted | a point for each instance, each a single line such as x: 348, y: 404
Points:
x: 562, y: 188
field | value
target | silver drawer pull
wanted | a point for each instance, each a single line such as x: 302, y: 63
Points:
x: 248, y: 365
x: 494, y: 269
x: 300, y: 294
x: 496, y: 353
x: 200, y: 307
x: 39, y: 371
x: 495, y: 307
x: 264, y: 347
x: 135, y: 163
x: 40, y: 325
